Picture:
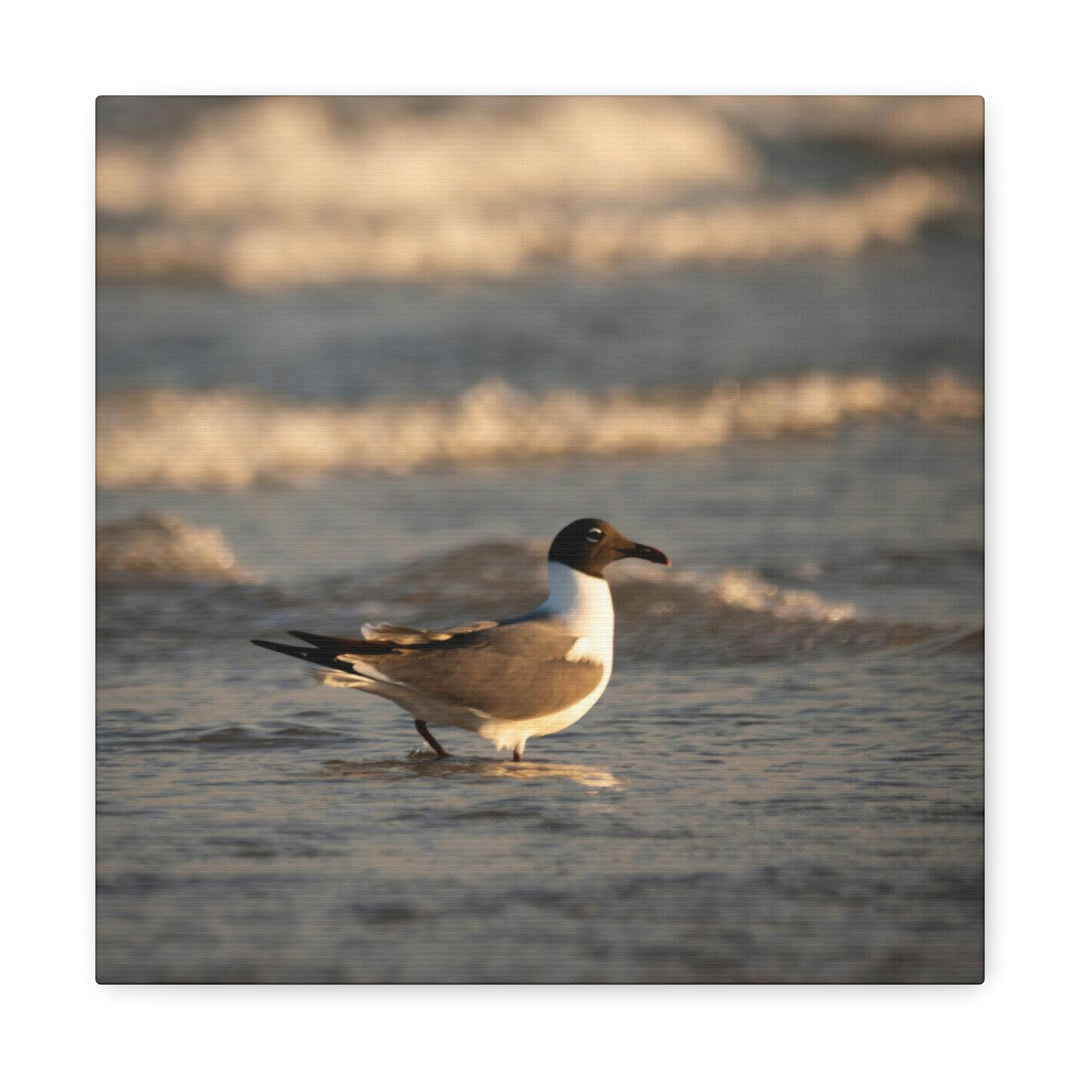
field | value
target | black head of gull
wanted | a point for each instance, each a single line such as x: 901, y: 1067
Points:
x: 590, y: 545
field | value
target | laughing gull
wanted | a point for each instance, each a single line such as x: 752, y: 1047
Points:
x: 508, y: 681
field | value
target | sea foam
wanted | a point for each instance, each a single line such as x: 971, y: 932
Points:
x: 233, y: 439
x: 164, y: 547
x: 267, y: 193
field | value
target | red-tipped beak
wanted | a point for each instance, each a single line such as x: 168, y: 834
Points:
x: 649, y: 554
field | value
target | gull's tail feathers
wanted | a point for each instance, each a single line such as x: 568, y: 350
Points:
x: 313, y: 653
x: 343, y: 680
x: 337, y: 667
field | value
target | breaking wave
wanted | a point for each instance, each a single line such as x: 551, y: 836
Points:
x: 503, y: 242
x: 164, y: 547
x: 233, y: 439
x: 294, y: 157
x: 273, y: 192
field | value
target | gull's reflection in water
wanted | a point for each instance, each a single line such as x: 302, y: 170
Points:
x: 421, y: 764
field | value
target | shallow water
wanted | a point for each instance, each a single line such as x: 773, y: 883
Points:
x: 783, y: 781
x: 754, y: 823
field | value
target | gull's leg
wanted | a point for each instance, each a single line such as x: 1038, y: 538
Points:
x: 431, y: 740
x: 518, y: 755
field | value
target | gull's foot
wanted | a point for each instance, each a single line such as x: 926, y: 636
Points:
x: 425, y: 755
x: 440, y: 750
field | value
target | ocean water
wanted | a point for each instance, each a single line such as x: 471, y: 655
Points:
x: 265, y: 193
x: 784, y: 779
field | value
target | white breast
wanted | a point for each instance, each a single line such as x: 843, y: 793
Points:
x: 583, y: 604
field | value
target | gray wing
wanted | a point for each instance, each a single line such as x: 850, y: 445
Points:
x: 409, y: 635
x: 511, y: 672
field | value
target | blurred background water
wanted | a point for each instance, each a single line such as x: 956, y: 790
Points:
x: 361, y: 358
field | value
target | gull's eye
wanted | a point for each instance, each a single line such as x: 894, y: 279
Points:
x: 594, y: 535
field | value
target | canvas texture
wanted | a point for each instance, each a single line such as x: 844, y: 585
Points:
x: 360, y: 360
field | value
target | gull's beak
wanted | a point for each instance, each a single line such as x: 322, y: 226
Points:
x: 643, y: 551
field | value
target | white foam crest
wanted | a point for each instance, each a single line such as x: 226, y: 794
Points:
x: 742, y: 588
x: 745, y: 589
x: 504, y: 241
x: 273, y: 192
x: 231, y: 439
x: 287, y: 158
x: 164, y: 546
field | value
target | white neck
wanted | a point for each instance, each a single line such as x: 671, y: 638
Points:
x: 582, y: 602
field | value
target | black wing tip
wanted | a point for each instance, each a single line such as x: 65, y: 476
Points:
x: 322, y: 657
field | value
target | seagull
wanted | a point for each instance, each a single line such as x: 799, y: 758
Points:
x: 508, y: 681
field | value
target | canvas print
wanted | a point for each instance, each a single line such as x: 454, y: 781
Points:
x: 540, y: 540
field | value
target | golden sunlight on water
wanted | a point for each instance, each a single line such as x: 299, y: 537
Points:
x: 422, y: 764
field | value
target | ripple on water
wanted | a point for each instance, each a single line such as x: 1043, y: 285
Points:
x: 246, y: 736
